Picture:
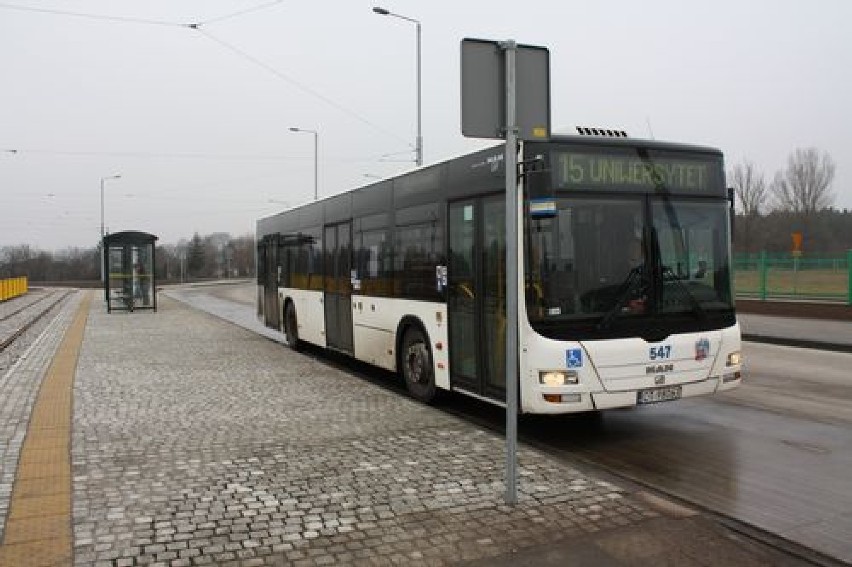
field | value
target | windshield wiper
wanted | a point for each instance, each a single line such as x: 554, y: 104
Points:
x: 631, y: 284
x: 697, y: 310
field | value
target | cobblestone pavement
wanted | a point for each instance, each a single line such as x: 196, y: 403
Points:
x: 20, y: 378
x: 196, y: 442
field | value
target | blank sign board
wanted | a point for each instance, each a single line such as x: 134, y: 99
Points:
x: 483, y: 80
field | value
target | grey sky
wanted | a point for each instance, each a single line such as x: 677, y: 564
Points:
x: 196, y: 121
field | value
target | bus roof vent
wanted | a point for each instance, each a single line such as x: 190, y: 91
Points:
x: 583, y: 131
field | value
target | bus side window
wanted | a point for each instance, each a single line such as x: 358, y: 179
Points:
x: 374, y: 263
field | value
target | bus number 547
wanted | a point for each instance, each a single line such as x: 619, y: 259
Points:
x: 660, y: 352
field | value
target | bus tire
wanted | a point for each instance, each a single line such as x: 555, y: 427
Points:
x: 291, y: 327
x: 416, y: 365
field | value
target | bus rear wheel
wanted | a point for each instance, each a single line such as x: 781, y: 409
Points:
x: 291, y: 328
x: 416, y: 365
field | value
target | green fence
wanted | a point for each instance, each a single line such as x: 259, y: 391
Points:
x: 777, y: 276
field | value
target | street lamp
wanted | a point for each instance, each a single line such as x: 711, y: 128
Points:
x: 418, y: 147
x: 102, y: 200
x: 316, y: 155
x: 102, y: 224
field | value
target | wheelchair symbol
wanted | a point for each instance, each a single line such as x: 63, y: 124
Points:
x: 574, y: 358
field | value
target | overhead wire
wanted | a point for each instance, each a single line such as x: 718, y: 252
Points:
x: 197, y: 26
x: 142, y: 154
x: 296, y: 83
x: 21, y: 152
x: 68, y: 215
x: 90, y: 16
x: 241, y: 12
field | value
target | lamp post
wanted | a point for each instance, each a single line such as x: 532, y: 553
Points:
x: 102, y: 201
x: 316, y: 155
x: 418, y: 147
x: 103, y: 252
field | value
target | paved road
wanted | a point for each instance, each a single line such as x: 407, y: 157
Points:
x: 837, y: 334
x: 775, y: 453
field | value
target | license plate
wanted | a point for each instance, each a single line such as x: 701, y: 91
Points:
x: 654, y: 395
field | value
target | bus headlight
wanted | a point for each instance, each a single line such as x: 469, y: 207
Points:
x: 557, y: 377
x: 734, y: 359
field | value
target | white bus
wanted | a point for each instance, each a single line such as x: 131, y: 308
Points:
x: 625, y: 278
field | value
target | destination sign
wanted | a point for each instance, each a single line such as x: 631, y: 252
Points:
x: 577, y: 170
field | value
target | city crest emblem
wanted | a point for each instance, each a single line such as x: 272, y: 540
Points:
x: 702, y: 348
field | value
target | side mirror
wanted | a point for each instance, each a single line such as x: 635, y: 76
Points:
x: 539, y: 188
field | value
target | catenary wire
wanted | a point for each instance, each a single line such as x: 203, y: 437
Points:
x: 91, y: 16
x: 198, y: 27
x: 296, y: 83
x: 240, y: 13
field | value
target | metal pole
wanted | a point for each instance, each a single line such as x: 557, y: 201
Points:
x: 103, y: 252
x: 103, y: 233
x: 419, y: 142
x: 102, y: 212
x: 316, y: 156
x: 316, y: 165
x: 511, y: 161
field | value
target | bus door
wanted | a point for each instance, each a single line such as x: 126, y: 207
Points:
x: 271, y: 309
x: 477, y: 296
x: 338, y: 286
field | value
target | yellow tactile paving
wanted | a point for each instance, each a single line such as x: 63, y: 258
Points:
x: 25, y: 554
x: 51, y: 440
x: 45, y: 457
x: 52, y: 418
x: 37, y: 487
x: 35, y: 470
x: 57, y: 398
x: 38, y: 527
x: 48, y: 432
x: 39, y: 506
x: 43, y: 531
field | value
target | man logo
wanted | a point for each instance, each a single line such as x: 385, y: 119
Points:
x: 659, y: 380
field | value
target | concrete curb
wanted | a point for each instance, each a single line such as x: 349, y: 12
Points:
x: 799, y: 343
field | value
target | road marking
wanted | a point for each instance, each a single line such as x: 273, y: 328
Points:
x: 38, y: 527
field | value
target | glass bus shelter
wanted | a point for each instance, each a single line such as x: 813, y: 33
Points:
x: 129, y: 282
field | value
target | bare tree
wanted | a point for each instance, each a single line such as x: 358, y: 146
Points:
x: 243, y: 254
x: 749, y: 186
x: 805, y: 186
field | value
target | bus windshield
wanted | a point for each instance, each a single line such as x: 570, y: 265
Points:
x: 609, y: 264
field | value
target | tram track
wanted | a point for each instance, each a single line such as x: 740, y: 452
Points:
x: 8, y: 339
x: 23, y: 308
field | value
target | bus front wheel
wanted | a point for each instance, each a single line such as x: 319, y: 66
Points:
x: 416, y: 362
